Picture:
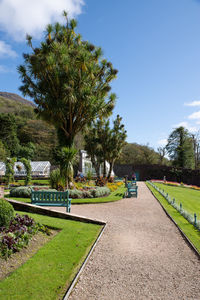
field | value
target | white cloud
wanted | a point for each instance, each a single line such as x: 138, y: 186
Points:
x: 187, y: 126
x: 5, y: 50
x: 195, y: 115
x: 3, y: 69
x: 194, y: 103
x: 162, y: 142
x: 19, y: 17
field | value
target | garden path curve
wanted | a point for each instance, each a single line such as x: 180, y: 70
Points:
x: 141, y: 254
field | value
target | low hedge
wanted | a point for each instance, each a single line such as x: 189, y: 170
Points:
x: 21, y: 192
x: 25, y: 192
x: 91, y: 193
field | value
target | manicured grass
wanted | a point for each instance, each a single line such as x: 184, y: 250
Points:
x: 114, y: 196
x: 189, y: 198
x: 49, y: 272
x: 190, y: 231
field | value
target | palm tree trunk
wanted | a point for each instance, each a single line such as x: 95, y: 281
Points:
x: 110, y: 169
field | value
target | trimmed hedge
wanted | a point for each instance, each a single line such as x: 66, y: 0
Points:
x: 6, y: 213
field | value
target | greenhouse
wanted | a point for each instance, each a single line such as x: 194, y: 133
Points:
x: 38, y: 169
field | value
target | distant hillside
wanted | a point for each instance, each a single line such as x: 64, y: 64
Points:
x: 12, y: 103
x: 16, y: 98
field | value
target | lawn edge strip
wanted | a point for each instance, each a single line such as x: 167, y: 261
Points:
x: 26, y: 207
x: 76, y: 278
x: 190, y: 244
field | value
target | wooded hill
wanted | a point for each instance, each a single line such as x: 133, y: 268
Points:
x: 21, y: 131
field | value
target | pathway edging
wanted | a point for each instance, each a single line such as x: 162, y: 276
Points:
x: 190, y: 244
x: 76, y: 278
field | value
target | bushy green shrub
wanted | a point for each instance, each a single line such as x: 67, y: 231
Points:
x: 56, y: 180
x: 6, y: 213
x: 75, y: 194
x: 93, y: 193
x: 21, y: 192
x: 100, y: 192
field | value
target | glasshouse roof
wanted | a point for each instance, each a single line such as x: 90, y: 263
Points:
x: 36, y: 166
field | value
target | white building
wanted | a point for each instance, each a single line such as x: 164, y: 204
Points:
x: 85, y: 165
x: 38, y: 168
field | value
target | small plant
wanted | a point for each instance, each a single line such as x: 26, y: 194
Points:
x: 89, y: 175
x: 6, y: 212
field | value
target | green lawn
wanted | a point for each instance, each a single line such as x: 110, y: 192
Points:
x: 49, y: 272
x: 189, y: 198
x: 190, y: 231
x: 114, y: 196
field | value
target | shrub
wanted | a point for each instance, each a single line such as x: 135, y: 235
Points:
x: 100, y: 192
x: 89, y: 193
x: 56, y: 180
x: 75, y: 194
x: 6, y: 213
x: 21, y: 192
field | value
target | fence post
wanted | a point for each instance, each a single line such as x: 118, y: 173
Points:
x: 173, y: 201
x: 180, y: 206
x: 195, y: 219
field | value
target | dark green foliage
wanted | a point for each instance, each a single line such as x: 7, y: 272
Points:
x: 139, y: 155
x: 180, y: 148
x: 27, y: 152
x: 6, y: 212
x: 21, y: 192
x: 68, y: 80
x: 8, y: 133
x: 3, y: 152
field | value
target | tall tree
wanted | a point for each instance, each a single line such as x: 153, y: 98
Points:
x: 68, y: 80
x: 105, y: 144
x: 162, y: 152
x: 180, y: 148
x: 116, y: 143
x: 93, y: 147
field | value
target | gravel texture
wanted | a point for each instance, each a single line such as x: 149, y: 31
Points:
x: 141, y: 254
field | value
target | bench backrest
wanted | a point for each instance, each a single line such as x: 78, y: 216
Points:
x: 49, y: 197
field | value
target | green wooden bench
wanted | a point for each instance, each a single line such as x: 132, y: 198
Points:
x: 45, y: 198
x: 132, y: 190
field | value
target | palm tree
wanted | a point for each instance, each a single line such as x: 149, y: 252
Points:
x: 67, y: 157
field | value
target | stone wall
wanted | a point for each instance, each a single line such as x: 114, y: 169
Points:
x: 147, y: 172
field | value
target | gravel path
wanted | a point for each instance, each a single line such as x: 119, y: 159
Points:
x: 141, y: 254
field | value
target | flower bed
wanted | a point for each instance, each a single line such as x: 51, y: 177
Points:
x: 171, y: 183
x: 18, y: 234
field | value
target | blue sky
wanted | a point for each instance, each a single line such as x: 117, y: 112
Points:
x: 155, y: 45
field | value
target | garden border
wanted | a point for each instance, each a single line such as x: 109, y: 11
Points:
x: 190, y: 244
x: 27, y: 207
x: 63, y: 215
